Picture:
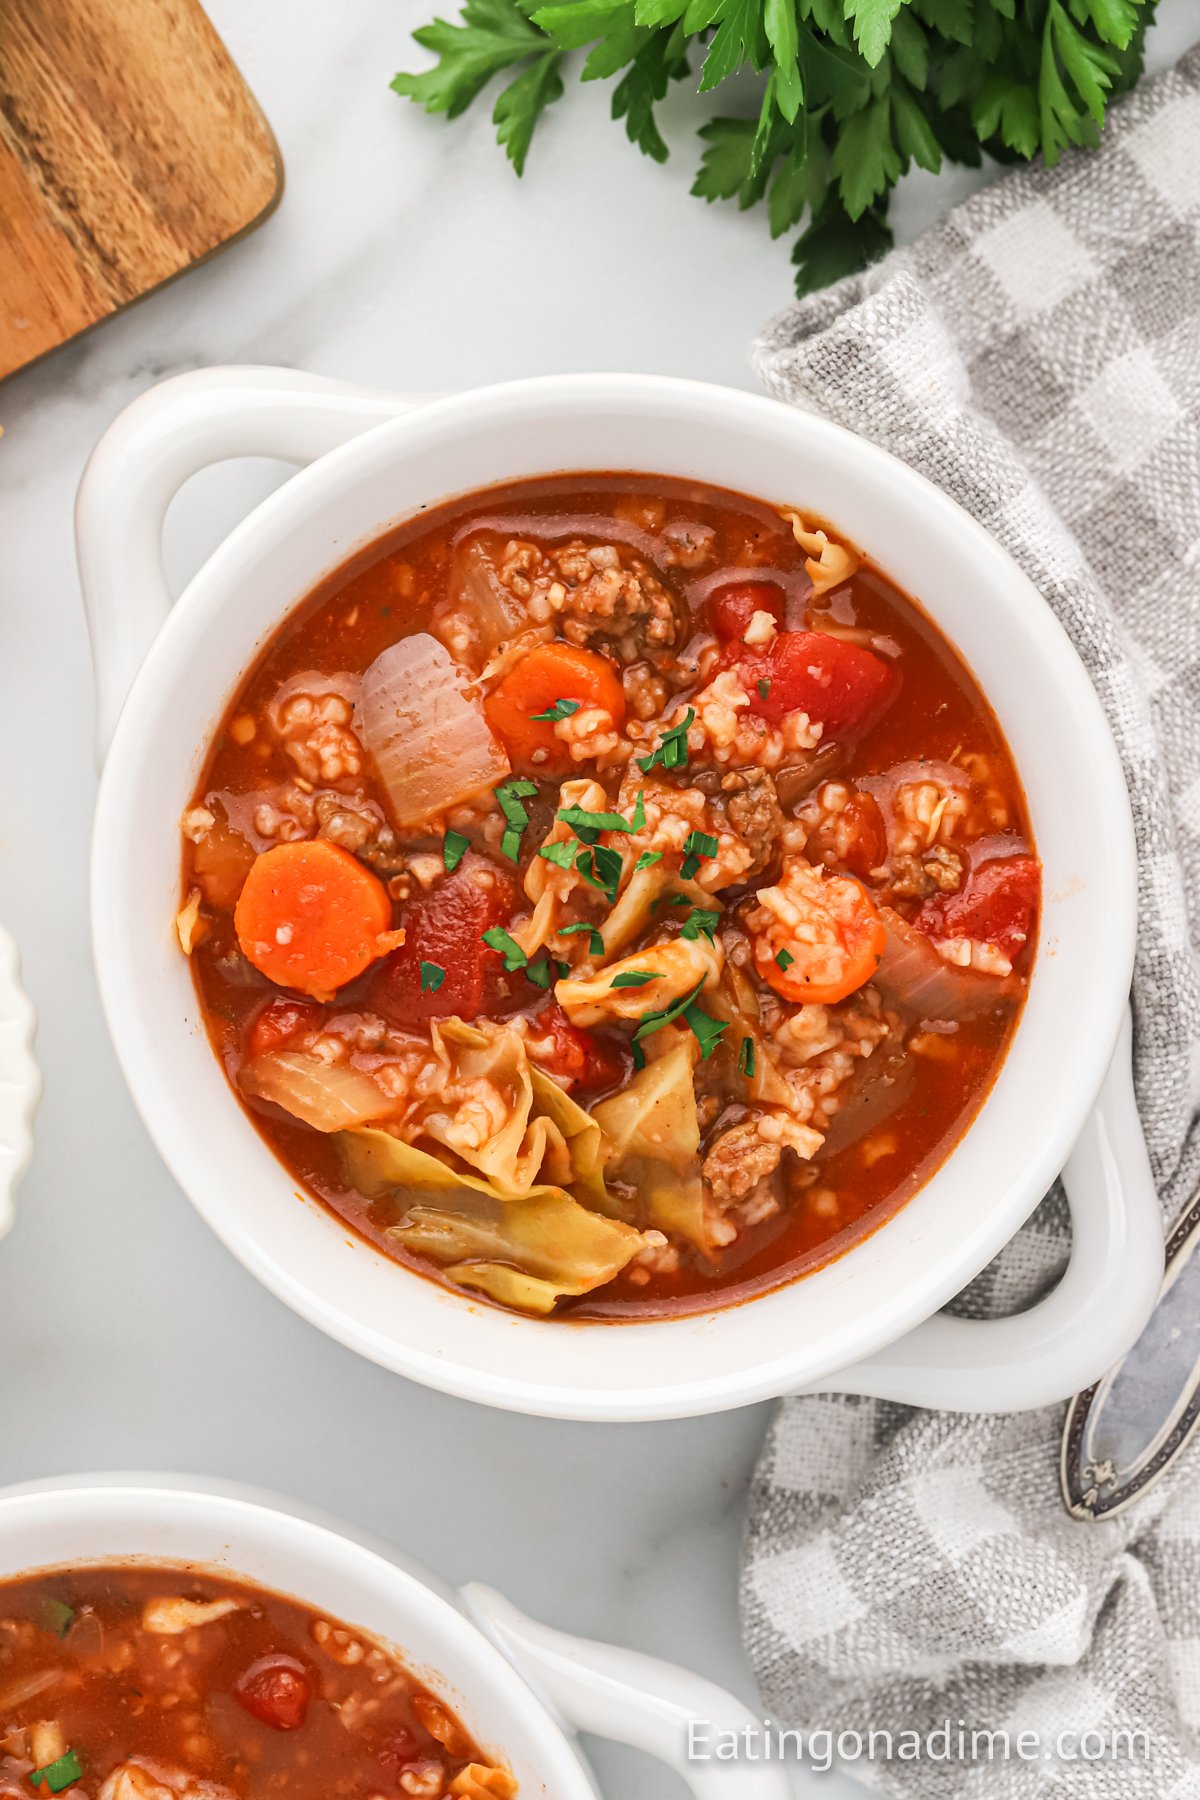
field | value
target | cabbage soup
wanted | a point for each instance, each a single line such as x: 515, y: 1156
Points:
x: 610, y: 895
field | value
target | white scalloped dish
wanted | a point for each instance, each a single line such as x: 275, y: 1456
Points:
x: 20, y: 1082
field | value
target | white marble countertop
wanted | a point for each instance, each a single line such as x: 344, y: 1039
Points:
x: 405, y: 253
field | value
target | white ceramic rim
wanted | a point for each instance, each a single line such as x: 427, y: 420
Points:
x: 927, y: 1251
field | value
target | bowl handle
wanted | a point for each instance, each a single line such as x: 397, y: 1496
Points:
x: 673, y: 1715
x: 165, y: 436
x: 1094, y: 1315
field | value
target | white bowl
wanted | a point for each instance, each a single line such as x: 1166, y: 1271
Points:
x: 20, y: 1083
x: 1053, y: 1107
x: 521, y: 1689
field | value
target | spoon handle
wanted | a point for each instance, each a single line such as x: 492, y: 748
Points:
x: 1123, y: 1433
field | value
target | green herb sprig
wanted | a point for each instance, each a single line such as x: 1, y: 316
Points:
x: 850, y: 93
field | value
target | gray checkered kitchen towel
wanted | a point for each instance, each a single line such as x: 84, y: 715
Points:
x: 1038, y: 356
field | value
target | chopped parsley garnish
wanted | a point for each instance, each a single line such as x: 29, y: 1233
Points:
x: 639, y: 1056
x: 544, y: 969
x: 55, y: 1615
x: 562, y: 709
x: 562, y: 854
x: 635, y: 978
x: 697, y: 844
x: 496, y: 938
x: 432, y: 977
x: 647, y: 860
x: 601, y: 867
x: 669, y: 900
x: 671, y: 750
x: 58, y: 1774
x: 666, y: 1015
x: 764, y: 686
x: 588, y: 825
x: 700, y: 923
x: 746, y: 1058
x: 705, y: 1029
x: 595, y: 941
x: 785, y: 959
x: 511, y: 795
x: 454, y: 848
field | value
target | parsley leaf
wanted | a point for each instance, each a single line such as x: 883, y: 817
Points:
x: 647, y: 860
x: 454, y: 848
x: 663, y: 60
x: 432, y: 977
x: 634, y: 978
x: 601, y: 867
x: 581, y: 820
x: 595, y: 941
x: 496, y: 938
x: 834, y: 99
x: 700, y: 923
x: 834, y: 246
x: 705, y: 1029
x: 562, y: 854
x: 671, y: 749
x: 522, y: 104
x: 784, y: 959
x: 746, y: 1058
x: 654, y: 1021
x: 511, y: 794
x: 697, y: 844
x: 545, y: 969
x: 562, y: 709
x: 494, y: 35
x: 873, y: 26
x: 58, y: 1774
x: 865, y: 159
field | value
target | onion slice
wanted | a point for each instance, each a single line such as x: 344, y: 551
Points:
x: 327, y: 1096
x: 425, y: 731
x: 921, y: 985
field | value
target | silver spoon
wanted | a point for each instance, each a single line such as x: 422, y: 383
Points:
x: 1124, y: 1433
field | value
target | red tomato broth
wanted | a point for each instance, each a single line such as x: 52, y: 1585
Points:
x: 270, y: 1697
x: 938, y: 710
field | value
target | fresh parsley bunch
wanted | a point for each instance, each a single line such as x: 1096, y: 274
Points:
x: 852, y: 91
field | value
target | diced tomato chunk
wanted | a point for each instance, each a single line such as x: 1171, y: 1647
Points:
x: 730, y: 609
x: 446, y: 928
x: 278, y: 1024
x: 843, y: 686
x: 586, y: 1058
x: 997, y: 904
x: 276, y: 1690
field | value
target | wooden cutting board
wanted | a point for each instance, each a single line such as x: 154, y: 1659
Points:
x: 130, y: 149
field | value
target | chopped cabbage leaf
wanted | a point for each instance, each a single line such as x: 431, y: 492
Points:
x: 513, y: 1156
x: 550, y: 1238
x: 655, y: 1115
x: 582, y: 1137
x: 376, y: 1161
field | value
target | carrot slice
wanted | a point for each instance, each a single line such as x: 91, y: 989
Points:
x: 543, y: 677
x: 816, y: 936
x: 310, y: 917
